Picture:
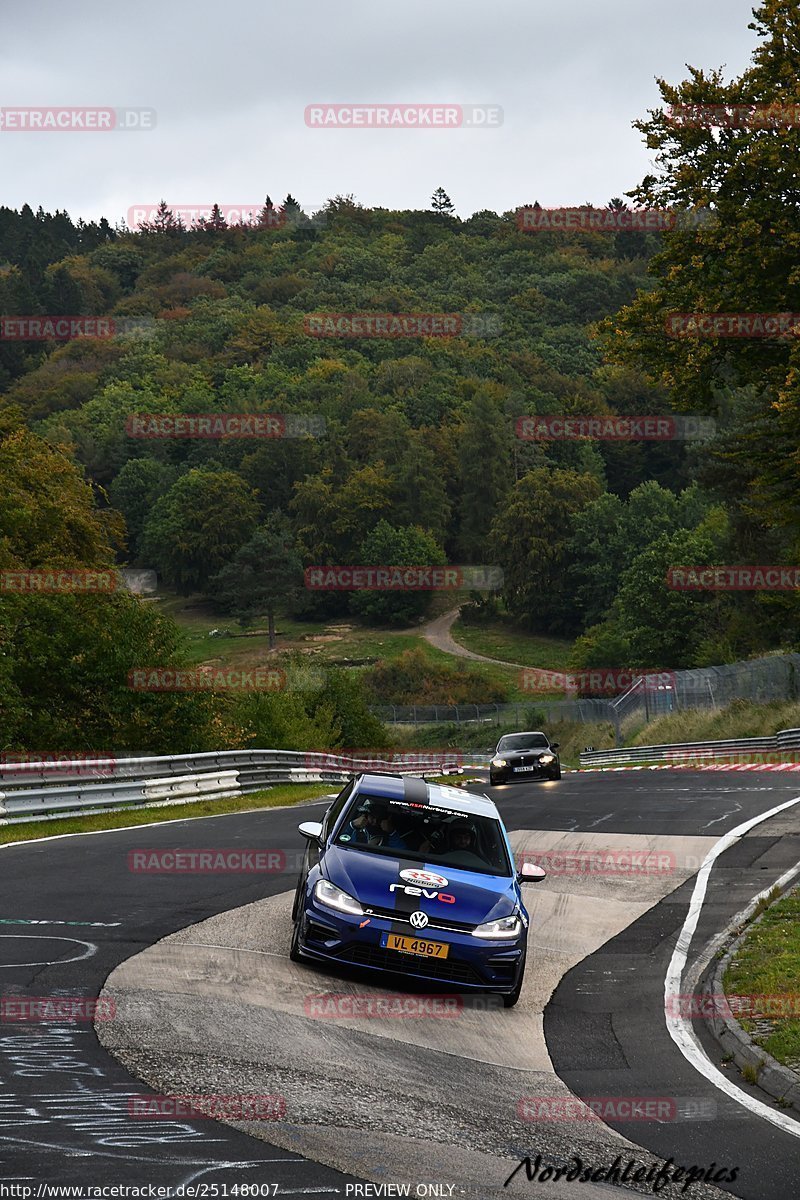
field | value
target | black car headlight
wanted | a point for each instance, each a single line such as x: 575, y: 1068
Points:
x: 547, y: 758
x: 499, y: 762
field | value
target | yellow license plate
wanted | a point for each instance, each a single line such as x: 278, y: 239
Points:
x: 420, y: 946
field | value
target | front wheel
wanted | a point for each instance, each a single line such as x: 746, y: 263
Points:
x: 556, y: 774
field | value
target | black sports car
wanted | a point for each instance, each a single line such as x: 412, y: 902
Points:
x: 524, y: 756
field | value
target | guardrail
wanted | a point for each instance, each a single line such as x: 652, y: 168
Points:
x: 786, y: 741
x: 87, y: 786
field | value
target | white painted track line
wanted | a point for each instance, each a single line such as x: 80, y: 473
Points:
x: 679, y: 1027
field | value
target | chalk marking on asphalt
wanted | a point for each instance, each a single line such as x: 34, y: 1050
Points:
x: 732, y: 812
x: 678, y: 1027
x: 48, y: 937
x: 238, y: 949
x: 81, y: 924
x: 99, y: 1152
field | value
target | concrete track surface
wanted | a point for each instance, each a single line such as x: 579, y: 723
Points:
x: 207, y: 1001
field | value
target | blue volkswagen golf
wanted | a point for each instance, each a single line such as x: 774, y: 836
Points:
x: 411, y: 878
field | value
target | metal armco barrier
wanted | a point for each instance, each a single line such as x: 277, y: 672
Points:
x: 772, y: 747
x: 113, y: 785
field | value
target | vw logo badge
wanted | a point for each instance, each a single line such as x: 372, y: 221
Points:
x: 419, y: 920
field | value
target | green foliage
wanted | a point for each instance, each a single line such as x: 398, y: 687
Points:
x: 610, y: 533
x: 135, y: 490
x: 485, y: 468
x: 390, y: 546
x: 664, y: 627
x: 531, y: 535
x: 66, y: 660
x: 265, y: 573
x: 601, y: 645
x: 412, y: 678
x: 342, y: 699
x: 48, y: 516
x: 743, y: 260
x: 198, y: 526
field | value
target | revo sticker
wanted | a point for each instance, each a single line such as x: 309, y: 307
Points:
x: 445, y: 897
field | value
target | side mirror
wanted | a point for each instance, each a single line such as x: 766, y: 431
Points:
x: 530, y: 873
x: 312, y: 830
x: 554, y: 745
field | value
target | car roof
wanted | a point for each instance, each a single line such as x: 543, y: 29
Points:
x: 527, y: 733
x: 437, y: 795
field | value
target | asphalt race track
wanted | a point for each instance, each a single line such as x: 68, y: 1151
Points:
x: 455, y: 1103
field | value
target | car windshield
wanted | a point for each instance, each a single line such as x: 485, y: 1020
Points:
x: 425, y: 834
x: 523, y: 741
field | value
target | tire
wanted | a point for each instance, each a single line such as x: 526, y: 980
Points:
x: 492, y: 781
x: 510, y: 999
x: 294, y: 947
x: 557, y: 773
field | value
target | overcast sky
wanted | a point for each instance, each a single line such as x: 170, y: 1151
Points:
x: 230, y: 83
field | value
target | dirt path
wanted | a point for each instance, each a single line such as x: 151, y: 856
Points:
x: 438, y: 633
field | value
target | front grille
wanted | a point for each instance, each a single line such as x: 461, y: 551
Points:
x: 391, y: 914
x: 446, y: 969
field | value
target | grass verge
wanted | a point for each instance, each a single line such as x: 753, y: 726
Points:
x: 767, y: 963
x: 740, y: 719
x: 277, y: 797
x: 498, y: 640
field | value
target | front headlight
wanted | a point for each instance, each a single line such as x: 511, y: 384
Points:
x: 499, y: 762
x: 334, y: 897
x: 506, y: 927
x: 547, y: 758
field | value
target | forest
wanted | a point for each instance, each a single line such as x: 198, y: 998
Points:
x: 401, y: 446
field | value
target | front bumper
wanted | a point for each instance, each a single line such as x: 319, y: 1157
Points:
x: 472, y: 963
x: 508, y: 774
